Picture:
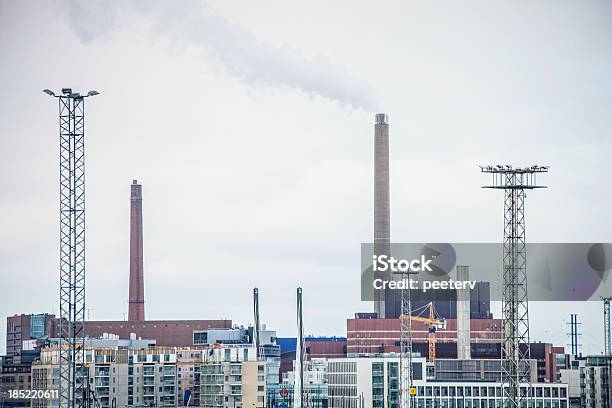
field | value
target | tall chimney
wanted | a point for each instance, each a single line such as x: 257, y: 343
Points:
x: 463, y: 316
x: 382, y: 212
x: 136, y: 303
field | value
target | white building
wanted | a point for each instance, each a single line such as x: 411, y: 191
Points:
x: 374, y: 382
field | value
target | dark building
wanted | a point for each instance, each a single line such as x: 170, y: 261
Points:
x: 25, y: 336
x: 20, y: 328
x: 546, y: 356
x: 136, y: 311
x: 14, y: 377
x: 445, y: 301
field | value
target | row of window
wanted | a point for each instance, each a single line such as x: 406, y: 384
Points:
x: 475, y: 391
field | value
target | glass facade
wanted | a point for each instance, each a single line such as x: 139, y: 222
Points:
x: 37, y: 326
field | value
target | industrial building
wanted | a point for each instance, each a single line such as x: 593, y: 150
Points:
x: 170, y: 333
x: 375, y: 336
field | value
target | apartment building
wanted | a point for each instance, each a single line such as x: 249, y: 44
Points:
x: 232, y: 376
x: 117, y: 376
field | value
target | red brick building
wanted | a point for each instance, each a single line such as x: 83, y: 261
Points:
x: 372, y: 336
x: 166, y: 332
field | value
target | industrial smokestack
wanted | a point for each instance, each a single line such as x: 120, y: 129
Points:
x: 383, y: 304
x: 136, y: 303
x: 463, y: 315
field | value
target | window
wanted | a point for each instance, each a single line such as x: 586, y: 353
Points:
x: 200, y: 338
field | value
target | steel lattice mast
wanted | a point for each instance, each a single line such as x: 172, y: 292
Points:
x: 515, y: 310
x: 72, y: 244
x: 606, y: 318
x: 406, y: 349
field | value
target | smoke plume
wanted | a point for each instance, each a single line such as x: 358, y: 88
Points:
x: 192, y: 23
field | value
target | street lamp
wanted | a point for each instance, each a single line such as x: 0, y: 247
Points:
x: 67, y: 92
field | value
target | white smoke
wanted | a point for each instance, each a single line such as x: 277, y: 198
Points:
x: 193, y: 23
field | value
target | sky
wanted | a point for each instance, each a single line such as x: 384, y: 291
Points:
x: 250, y: 127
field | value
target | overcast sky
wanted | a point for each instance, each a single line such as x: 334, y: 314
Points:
x: 250, y: 126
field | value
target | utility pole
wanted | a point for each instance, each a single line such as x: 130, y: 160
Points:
x: 72, y: 243
x: 515, y: 367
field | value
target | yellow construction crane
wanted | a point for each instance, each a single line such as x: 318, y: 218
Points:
x: 434, y: 323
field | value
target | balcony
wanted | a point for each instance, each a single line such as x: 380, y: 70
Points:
x: 167, y: 401
x: 101, y: 382
x: 102, y: 371
x: 211, y: 389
